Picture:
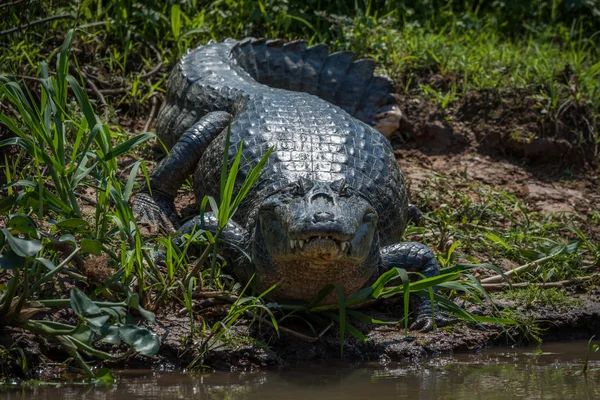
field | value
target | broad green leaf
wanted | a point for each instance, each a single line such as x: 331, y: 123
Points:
x: 118, y: 314
x: 22, y: 247
x: 82, y: 305
x: 10, y: 260
x: 98, y: 321
x: 46, y: 263
x: 104, y: 376
x: 572, y: 248
x: 497, y: 239
x: 147, y: 315
x: 142, y: 340
x: 23, y: 223
x: 73, y: 225
x: 532, y: 255
x: 68, y: 238
x: 133, y: 300
x: 92, y: 246
x: 110, y: 334
x: 7, y: 203
x: 84, y: 334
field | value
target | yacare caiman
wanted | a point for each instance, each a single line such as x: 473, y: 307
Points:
x: 331, y: 204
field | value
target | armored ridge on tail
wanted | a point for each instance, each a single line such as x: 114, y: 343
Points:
x: 331, y: 204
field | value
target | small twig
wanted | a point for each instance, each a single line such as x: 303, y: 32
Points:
x: 150, y: 46
x: 38, y: 22
x: 94, y: 89
x: 154, y: 71
x: 115, y: 91
x: 25, y: 77
x: 521, y: 269
x: 288, y: 331
x: 152, y: 112
x: 498, y: 287
x: 93, y: 24
x: 97, y: 79
x: 85, y: 198
x: 221, y: 296
x: 14, y: 3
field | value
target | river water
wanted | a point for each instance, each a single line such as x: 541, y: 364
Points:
x: 496, y: 373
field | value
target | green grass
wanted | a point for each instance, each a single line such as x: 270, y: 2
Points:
x: 72, y: 122
x: 499, y: 228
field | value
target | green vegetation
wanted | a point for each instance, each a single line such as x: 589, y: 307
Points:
x: 499, y: 228
x: 73, y: 139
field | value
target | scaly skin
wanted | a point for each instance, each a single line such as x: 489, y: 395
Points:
x: 331, y: 205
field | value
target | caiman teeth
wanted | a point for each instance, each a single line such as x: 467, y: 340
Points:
x: 299, y: 243
x: 344, y: 246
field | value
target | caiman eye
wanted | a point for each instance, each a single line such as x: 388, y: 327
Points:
x: 370, y: 217
x: 298, y: 189
x: 341, y: 187
x: 344, y: 189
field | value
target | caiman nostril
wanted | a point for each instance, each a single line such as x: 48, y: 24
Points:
x: 323, y: 216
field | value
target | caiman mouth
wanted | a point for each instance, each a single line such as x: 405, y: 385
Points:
x: 320, y: 242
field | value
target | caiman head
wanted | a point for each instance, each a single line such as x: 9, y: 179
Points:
x: 314, y: 233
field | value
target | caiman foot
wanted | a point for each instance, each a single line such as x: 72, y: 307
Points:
x: 157, y: 212
x: 425, y: 322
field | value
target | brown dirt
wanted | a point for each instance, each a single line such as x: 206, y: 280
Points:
x: 475, y: 139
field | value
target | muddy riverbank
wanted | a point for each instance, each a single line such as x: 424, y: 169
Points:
x: 254, y: 345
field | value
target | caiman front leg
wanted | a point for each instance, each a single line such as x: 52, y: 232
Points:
x: 415, y: 257
x: 155, y: 205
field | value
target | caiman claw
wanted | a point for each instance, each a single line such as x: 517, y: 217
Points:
x: 157, y: 211
x: 425, y: 322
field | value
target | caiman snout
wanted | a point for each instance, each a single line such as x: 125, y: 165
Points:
x: 323, y: 216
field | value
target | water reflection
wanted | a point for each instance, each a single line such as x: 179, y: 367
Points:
x: 489, y: 375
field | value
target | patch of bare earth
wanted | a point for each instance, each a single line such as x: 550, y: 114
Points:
x: 503, y: 141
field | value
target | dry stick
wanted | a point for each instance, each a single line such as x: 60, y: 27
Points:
x: 25, y: 77
x: 97, y: 79
x: 154, y: 71
x: 94, y: 89
x: 115, y: 91
x: 291, y: 332
x: 152, y: 112
x: 14, y: 3
x: 39, y: 21
x: 498, y: 287
x: 522, y: 268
